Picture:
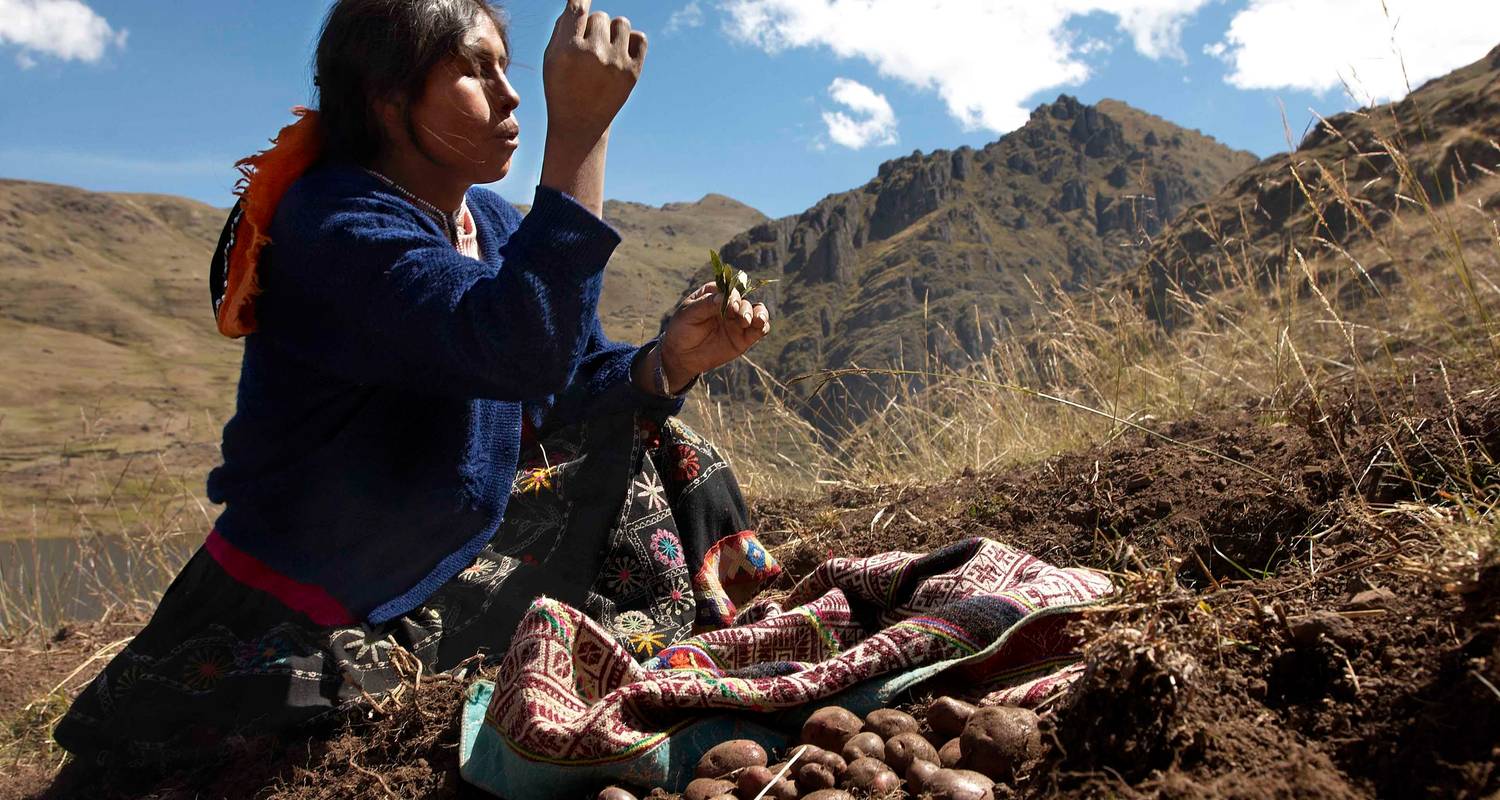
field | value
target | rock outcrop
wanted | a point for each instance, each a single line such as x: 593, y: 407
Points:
x: 1344, y: 184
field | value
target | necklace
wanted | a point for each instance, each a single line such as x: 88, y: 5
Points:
x: 450, y: 222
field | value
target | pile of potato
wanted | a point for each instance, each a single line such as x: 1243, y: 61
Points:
x: 963, y: 753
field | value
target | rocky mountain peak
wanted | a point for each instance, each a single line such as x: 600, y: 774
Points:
x: 876, y: 272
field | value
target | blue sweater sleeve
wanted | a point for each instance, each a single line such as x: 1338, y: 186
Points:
x: 603, y: 384
x: 361, y: 288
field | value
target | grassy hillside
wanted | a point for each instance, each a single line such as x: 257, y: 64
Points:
x: 1361, y: 182
x: 113, y: 364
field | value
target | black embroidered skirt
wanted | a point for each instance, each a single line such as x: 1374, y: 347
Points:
x: 638, y: 522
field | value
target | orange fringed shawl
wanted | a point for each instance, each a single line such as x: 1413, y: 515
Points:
x: 265, y: 178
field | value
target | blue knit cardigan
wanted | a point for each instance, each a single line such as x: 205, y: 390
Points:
x: 380, y: 404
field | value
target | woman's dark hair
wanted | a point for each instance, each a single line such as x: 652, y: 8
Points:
x: 382, y: 50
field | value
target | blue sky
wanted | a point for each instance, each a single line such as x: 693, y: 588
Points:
x: 740, y: 97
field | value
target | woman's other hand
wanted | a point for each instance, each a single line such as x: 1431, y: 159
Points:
x: 590, y: 68
x: 697, y: 339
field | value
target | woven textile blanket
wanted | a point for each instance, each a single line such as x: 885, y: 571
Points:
x: 570, y: 710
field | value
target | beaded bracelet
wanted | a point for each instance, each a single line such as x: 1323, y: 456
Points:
x: 661, y: 376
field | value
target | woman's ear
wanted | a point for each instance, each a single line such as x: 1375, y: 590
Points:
x: 388, y: 113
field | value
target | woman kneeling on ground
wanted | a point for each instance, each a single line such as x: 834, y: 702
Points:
x: 432, y: 429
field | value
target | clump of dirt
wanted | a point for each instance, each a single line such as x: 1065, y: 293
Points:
x: 1127, y: 711
x: 411, y: 750
x: 1284, y: 704
x: 1448, y: 724
x: 1158, y: 714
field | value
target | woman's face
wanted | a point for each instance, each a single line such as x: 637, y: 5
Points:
x: 465, y: 119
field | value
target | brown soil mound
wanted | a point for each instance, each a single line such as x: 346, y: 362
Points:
x: 1283, y: 634
x: 1289, y: 622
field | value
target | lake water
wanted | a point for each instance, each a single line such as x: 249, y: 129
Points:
x: 47, y: 581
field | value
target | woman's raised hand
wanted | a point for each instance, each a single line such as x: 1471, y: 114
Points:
x: 590, y: 67
x: 697, y: 339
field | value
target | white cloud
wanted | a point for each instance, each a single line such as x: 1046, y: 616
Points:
x: 65, y: 29
x: 1090, y: 47
x: 689, y: 16
x: 872, y: 123
x: 1319, y: 45
x: 985, y: 58
x: 1155, y: 26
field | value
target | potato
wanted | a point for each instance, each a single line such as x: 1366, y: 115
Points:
x: 829, y: 794
x: 614, y: 793
x: 998, y: 740
x: 950, y: 753
x: 707, y: 788
x: 887, y: 722
x: 904, y: 748
x: 813, y: 776
x: 959, y: 784
x: 882, y: 784
x: 862, y: 768
x: 946, y: 716
x: 863, y: 745
x: 833, y: 761
x: 725, y: 758
x: 829, y: 727
x: 870, y: 775
x: 917, y: 775
x: 810, y: 752
x: 783, y: 790
x: 753, y: 779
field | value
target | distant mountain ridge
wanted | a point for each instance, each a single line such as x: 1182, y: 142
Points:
x: 940, y: 250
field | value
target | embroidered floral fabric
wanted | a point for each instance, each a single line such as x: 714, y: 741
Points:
x: 682, y: 554
x: 638, y: 521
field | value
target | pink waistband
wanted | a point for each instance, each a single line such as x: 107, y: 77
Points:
x: 314, y: 601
